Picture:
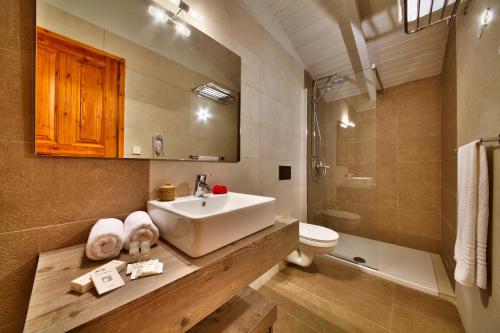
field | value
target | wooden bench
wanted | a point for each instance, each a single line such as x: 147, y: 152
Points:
x: 247, y: 312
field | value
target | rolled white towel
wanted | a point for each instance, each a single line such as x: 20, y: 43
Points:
x: 139, y: 227
x: 105, y: 239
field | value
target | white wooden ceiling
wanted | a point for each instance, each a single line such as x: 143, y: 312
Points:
x: 400, y: 57
x: 322, y: 33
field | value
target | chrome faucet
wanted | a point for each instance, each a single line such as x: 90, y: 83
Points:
x: 200, y: 186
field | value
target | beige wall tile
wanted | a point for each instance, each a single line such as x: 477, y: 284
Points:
x: 419, y: 173
x: 147, y: 62
x: 420, y: 149
x: 148, y: 90
x: 250, y: 140
x: 387, y: 129
x: 250, y: 104
x: 250, y: 71
x: 64, y: 23
x: 279, y: 117
x: 449, y: 171
x: 417, y: 122
x: 387, y: 196
x: 17, y: 94
x: 419, y: 197
x: 42, y: 191
x: 387, y: 174
x: 279, y: 146
x: 426, y: 224
x: 387, y: 151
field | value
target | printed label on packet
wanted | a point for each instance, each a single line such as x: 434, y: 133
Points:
x: 146, y: 268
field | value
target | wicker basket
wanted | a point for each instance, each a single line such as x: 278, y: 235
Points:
x: 167, y: 192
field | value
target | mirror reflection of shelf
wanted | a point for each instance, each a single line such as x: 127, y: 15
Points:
x: 206, y: 158
x: 356, y: 182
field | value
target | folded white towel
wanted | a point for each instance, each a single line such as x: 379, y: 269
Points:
x: 483, y: 215
x: 139, y: 227
x: 105, y: 239
x: 472, y: 224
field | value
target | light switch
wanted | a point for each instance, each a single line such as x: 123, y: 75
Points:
x: 136, y: 150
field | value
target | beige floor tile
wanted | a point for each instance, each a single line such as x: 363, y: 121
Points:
x: 330, y: 297
x: 418, y: 312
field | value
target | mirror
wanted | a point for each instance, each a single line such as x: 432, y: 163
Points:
x: 130, y: 78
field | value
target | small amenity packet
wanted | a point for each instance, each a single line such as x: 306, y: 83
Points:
x: 146, y: 268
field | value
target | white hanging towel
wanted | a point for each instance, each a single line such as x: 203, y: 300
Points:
x: 473, y: 213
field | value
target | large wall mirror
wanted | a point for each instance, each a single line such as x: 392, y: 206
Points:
x: 129, y: 78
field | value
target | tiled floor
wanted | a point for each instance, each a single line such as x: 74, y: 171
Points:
x: 332, y: 297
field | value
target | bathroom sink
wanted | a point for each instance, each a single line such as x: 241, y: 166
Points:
x: 198, y: 226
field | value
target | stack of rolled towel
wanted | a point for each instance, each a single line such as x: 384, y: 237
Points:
x: 139, y: 227
x: 109, y: 236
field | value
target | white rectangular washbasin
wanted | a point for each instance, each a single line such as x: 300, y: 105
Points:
x: 197, y: 226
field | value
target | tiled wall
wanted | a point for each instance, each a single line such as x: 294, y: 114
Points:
x: 319, y: 188
x: 45, y: 203
x: 356, y: 156
x: 478, y: 115
x: 449, y: 155
x: 397, y: 143
x: 271, y: 129
x: 408, y: 168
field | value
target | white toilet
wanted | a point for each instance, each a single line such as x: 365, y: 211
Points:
x: 313, y: 239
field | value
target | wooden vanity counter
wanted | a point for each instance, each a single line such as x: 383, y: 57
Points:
x: 187, y: 291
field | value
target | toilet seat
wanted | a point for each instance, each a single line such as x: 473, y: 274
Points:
x: 317, y: 236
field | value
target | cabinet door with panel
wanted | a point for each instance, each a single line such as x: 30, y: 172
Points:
x: 79, y: 99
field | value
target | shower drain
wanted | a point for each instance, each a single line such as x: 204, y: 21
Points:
x: 359, y: 260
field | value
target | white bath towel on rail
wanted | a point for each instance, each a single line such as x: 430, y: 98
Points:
x: 473, y: 213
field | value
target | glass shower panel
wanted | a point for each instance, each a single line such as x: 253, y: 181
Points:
x: 345, y: 131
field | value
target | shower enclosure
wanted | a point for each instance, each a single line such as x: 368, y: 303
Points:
x: 342, y: 179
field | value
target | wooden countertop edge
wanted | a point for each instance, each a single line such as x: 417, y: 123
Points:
x: 209, y: 259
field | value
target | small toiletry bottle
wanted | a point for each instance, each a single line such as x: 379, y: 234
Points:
x: 133, y: 251
x: 145, y: 250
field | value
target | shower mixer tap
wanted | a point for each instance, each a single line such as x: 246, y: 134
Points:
x: 319, y: 167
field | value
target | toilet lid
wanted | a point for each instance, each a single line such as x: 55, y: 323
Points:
x: 317, y: 233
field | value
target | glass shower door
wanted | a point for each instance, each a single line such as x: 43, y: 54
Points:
x: 343, y: 125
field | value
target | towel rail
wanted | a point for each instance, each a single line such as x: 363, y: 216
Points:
x: 448, y: 12
x: 489, y: 139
